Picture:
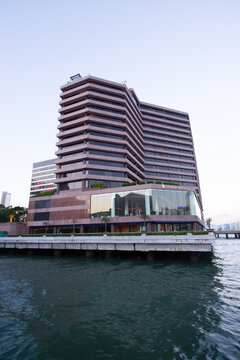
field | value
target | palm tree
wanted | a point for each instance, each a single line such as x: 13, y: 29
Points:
x: 144, y: 217
x: 105, y: 219
x: 208, y: 222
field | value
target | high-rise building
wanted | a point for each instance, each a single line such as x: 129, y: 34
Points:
x: 107, y: 138
x: 5, y: 199
x: 43, y: 177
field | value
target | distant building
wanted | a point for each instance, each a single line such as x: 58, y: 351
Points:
x: 226, y: 227
x: 234, y: 226
x: 5, y: 199
x: 43, y: 177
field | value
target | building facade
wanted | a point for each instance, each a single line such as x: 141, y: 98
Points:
x: 5, y: 198
x: 43, y: 177
x: 107, y: 138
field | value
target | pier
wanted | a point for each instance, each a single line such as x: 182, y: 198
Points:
x: 236, y: 233
x: 150, y: 244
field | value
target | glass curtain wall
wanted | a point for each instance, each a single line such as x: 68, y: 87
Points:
x: 147, y: 201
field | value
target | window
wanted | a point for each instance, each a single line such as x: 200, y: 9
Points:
x: 105, y: 163
x: 41, y: 204
x: 41, y: 216
x: 105, y: 173
x: 106, y: 153
x: 99, y: 143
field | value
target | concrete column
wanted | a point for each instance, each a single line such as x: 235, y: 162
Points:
x: 113, y: 206
x: 194, y: 256
x: 147, y: 204
x: 126, y: 207
x: 150, y: 256
x: 149, y: 227
x: 89, y: 253
x: 54, y: 229
x: 108, y: 254
x: 226, y: 236
x: 81, y: 229
x: 112, y: 228
x: 57, y: 253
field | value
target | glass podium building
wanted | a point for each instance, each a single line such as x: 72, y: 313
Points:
x: 107, y: 138
x: 148, y: 201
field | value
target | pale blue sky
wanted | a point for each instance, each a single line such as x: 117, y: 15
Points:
x: 180, y: 54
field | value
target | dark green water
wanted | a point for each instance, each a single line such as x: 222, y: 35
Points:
x: 77, y: 308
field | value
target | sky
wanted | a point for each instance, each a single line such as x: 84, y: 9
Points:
x: 181, y: 54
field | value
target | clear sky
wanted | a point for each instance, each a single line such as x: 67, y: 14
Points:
x: 182, y: 54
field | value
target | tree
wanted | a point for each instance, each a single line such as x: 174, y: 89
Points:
x: 208, y: 222
x: 19, y: 213
x: 144, y: 217
x: 105, y: 219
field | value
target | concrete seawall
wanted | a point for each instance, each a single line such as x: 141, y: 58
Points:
x: 144, y: 243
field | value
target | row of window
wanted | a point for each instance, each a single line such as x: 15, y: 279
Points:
x: 89, y: 183
x: 167, y: 142
x: 167, y: 148
x: 168, y: 168
x: 179, y: 163
x: 165, y: 136
x: 169, y: 155
x: 105, y: 153
x: 105, y: 163
x: 70, y: 185
x: 106, y: 110
x: 105, y: 173
x: 151, y: 173
x: 71, y: 174
x: 161, y: 122
x: 43, y: 169
x: 164, y: 116
x: 45, y: 177
x: 163, y: 126
x: 100, y: 143
x: 162, y: 111
x: 106, y: 101
x: 110, y: 127
x: 111, y: 136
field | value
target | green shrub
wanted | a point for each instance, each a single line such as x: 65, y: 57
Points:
x: 126, y: 184
x: 96, y: 185
x: 158, y: 182
x: 170, y: 183
x: 150, y: 182
x: 141, y: 183
x: 133, y: 183
x: 45, y: 193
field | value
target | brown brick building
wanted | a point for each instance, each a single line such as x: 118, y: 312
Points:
x: 108, y: 137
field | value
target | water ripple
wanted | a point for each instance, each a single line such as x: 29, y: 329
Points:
x: 76, y: 308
